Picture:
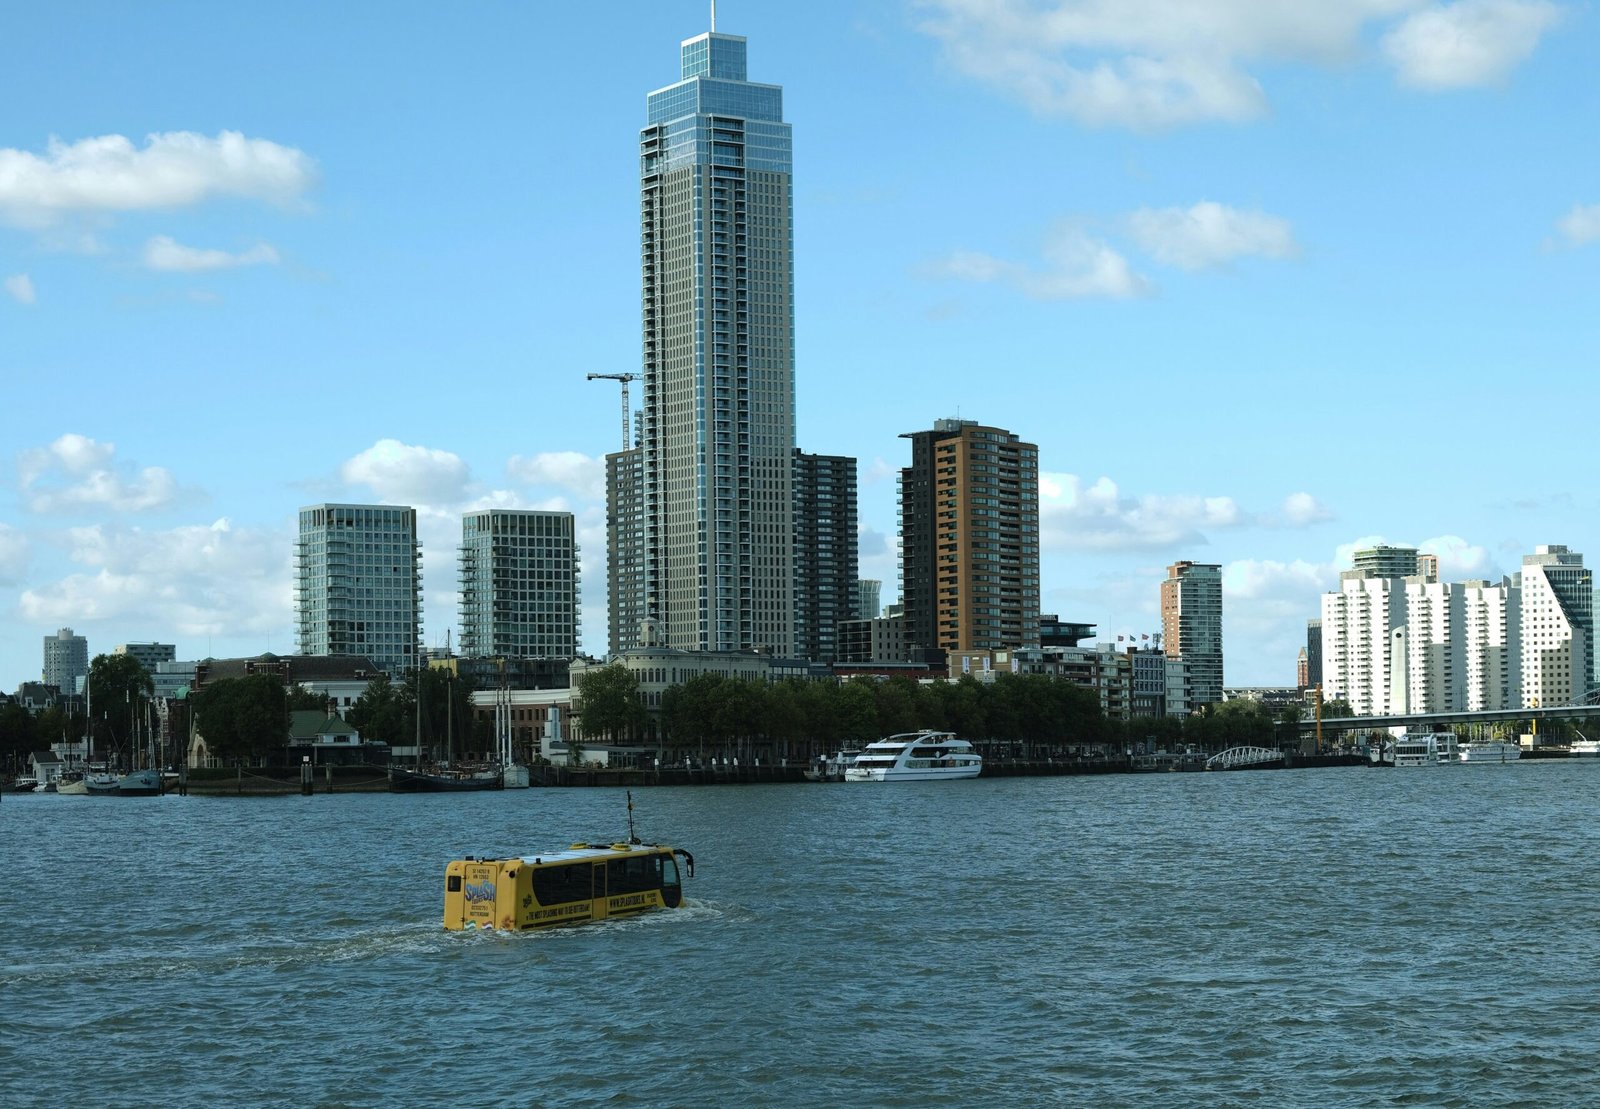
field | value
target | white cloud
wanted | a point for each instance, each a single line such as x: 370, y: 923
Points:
x: 1581, y: 225
x: 1301, y: 509
x: 14, y: 552
x: 576, y: 473
x: 404, y: 474
x: 20, y: 286
x: 1075, y: 266
x: 1151, y: 64
x: 1073, y: 516
x: 78, y: 472
x: 174, y: 169
x: 1471, y: 42
x: 1459, y: 559
x: 164, y: 253
x: 1210, y: 234
x: 196, y: 580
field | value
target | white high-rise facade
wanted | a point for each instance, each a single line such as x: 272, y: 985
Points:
x: 1436, y: 639
x: 1492, y: 655
x: 1557, y: 626
x: 1358, y: 623
x: 718, y: 427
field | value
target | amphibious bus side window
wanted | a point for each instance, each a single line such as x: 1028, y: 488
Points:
x: 557, y: 885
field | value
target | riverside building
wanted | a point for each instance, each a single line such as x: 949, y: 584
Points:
x: 969, y: 554
x: 624, y: 548
x: 1557, y: 624
x: 519, y: 584
x: 358, y: 584
x: 66, y: 661
x: 1191, y: 626
x: 718, y: 427
x: 825, y: 556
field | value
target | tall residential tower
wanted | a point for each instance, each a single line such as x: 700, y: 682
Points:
x: 969, y: 554
x: 358, y: 584
x: 519, y: 584
x: 1191, y: 626
x: 716, y: 244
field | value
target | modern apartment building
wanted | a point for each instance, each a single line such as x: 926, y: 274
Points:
x: 66, y: 661
x: 519, y: 584
x: 1191, y: 625
x: 1313, y: 653
x: 358, y: 587
x: 1557, y: 626
x: 718, y: 428
x: 1358, y: 622
x: 969, y: 555
x: 150, y: 655
x: 826, y: 562
x: 1384, y: 561
x: 1436, y: 642
x: 625, y: 607
x: 1492, y: 655
x: 869, y: 598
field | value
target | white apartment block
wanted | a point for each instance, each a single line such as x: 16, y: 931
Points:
x: 1492, y: 652
x: 1357, y: 625
x: 1436, y: 639
x: 1557, y: 626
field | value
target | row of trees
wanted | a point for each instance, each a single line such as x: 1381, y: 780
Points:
x: 1039, y: 715
x: 248, y: 718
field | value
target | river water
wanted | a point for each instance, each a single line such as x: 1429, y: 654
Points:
x: 1324, y: 937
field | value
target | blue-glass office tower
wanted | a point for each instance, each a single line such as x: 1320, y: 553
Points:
x: 717, y: 244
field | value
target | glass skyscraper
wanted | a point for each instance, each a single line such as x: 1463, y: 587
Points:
x: 519, y: 584
x: 358, y: 587
x: 716, y: 243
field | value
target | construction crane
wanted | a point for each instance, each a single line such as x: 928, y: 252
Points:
x: 624, y: 378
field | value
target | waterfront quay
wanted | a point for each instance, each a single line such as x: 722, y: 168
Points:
x: 283, y: 781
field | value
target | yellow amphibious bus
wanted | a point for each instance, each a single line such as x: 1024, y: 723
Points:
x: 589, y: 881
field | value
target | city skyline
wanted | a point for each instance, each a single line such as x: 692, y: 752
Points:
x: 1215, y: 297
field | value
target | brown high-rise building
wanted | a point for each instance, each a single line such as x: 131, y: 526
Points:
x: 969, y: 554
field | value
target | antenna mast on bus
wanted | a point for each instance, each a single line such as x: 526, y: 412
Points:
x: 632, y: 838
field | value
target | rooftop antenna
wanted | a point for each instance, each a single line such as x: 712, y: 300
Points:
x: 633, y: 838
x: 713, y: 16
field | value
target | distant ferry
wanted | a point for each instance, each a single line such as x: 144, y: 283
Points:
x: 1489, y: 750
x: 588, y: 881
x: 1425, y: 749
x: 915, y: 757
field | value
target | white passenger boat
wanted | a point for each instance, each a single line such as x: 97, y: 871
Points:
x: 1489, y: 750
x: 1425, y: 749
x: 915, y: 757
x: 1585, y: 748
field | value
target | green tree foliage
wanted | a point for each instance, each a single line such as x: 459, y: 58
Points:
x: 243, y: 718
x: 381, y: 713
x: 301, y: 699
x: 18, y: 735
x: 611, y: 705
x: 119, y: 690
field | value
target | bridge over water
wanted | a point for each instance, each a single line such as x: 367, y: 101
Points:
x: 1235, y: 758
x: 1484, y: 716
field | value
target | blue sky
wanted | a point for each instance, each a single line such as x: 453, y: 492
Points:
x: 1263, y: 279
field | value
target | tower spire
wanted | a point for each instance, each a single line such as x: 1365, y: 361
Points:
x: 713, y: 16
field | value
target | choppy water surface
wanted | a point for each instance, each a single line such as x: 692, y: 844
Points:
x: 1302, y: 938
